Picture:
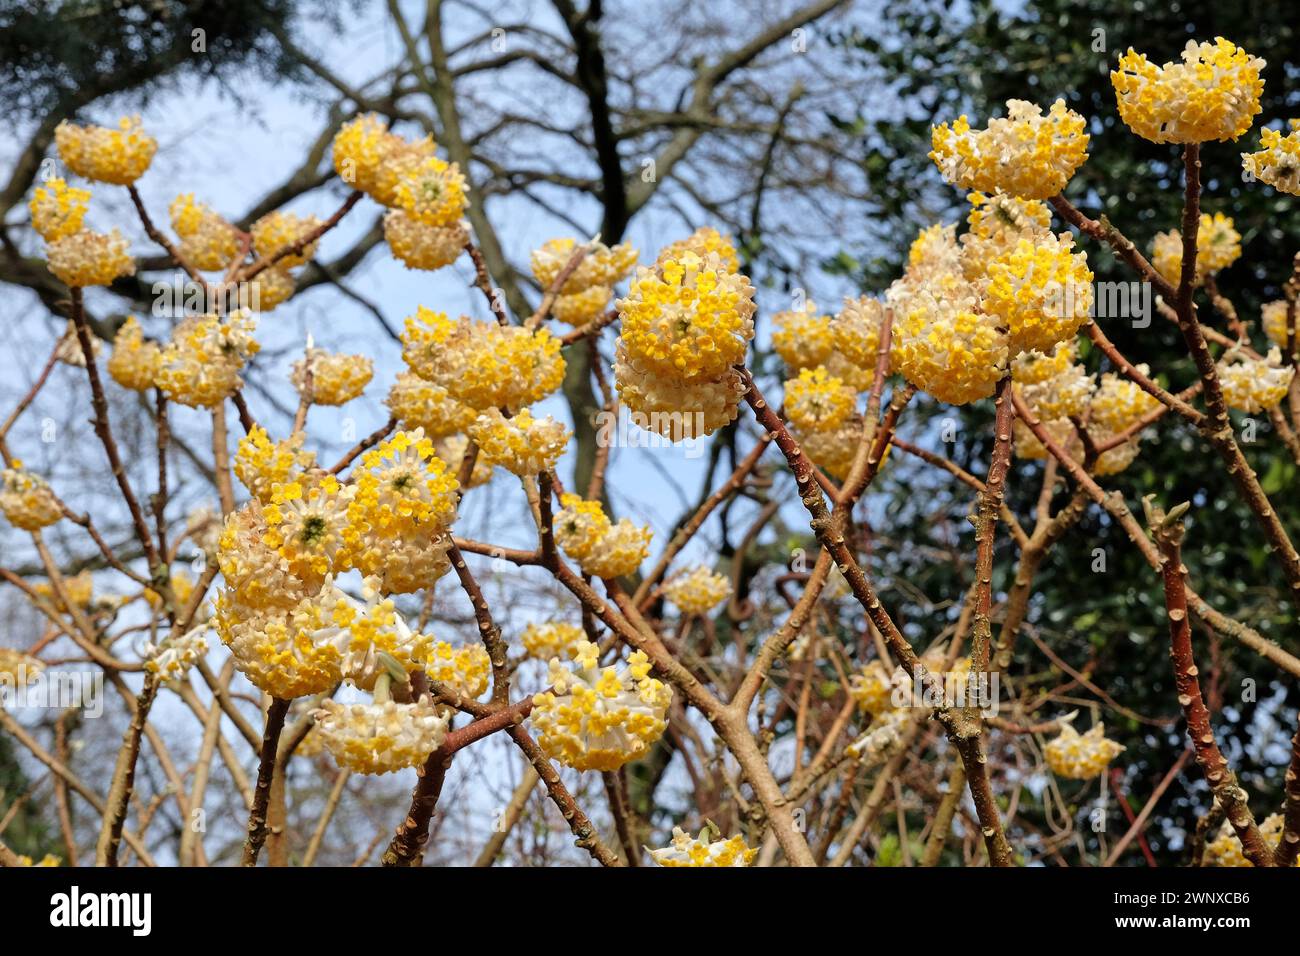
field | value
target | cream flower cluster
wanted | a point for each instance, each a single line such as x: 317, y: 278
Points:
x: 698, y: 590
x: 178, y: 655
x: 686, y: 324
x: 1226, y: 850
x: 418, y: 403
x: 426, y: 196
x: 207, y: 240
x: 135, y: 360
x: 1077, y: 756
x: 522, y: 444
x: 855, y: 338
x: 200, y: 366
x: 602, y: 548
x: 1274, y: 317
x: 553, y: 639
x: 686, y: 850
x: 1254, y: 384
x: 261, y: 464
x: 26, y: 499
x: 818, y: 401
x: 599, y: 718
x: 802, y: 337
x: 1218, y: 246
x: 88, y: 258
x: 588, y: 289
x: 1213, y: 94
x: 381, y: 737
x: 119, y: 156
x: 483, y: 365
x: 1026, y: 154
x: 335, y: 378
x: 58, y: 209
x: 1278, y: 163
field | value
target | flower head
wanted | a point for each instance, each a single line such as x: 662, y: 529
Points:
x: 1078, y: 756
x: 178, y: 654
x: 1226, y: 850
x: 1274, y: 317
x: 1218, y: 246
x: 1213, y: 94
x: 207, y: 240
x: 134, y: 361
x: 1278, y: 163
x: 277, y: 231
x: 118, y: 156
x: 599, y: 718
x: 58, y: 209
x: 855, y: 336
x: 704, y: 242
x: 698, y: 590
x: 802, y: 337
x: 1255, y: 385
x: 553, y: 639
x: 1026, y: 154
x: 433, y: 192
x: 90, y: 258
x: 522, y: 444
x: 27, y: 500
x: 418, y: 245
x: 818, y: 401
x: 602, y: 548
x: 200, y: 366
x: 381, y: 737
x: 418, y: 403
x: 331, y: 378
x: 701, y: 851
x: 579, y: 308
x: 1040, y: 290
x: 261, y: 464
x: 602, y: 266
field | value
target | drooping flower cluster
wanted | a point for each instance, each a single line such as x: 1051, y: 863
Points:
x: 698, y: 590
x: 589, y: 287
x: 1040, y: 291
x: 1026, y: 154
x: 553, y: 639
x: 418, y: 403
x: 27, y: 500
x: 855, y: 335
x: 998, y: 222
x: 331, y: 378
x: 602, y: 548
x: 88, y: 258
x: 1218, y: 246
x: 686, y: 324
x: 119, y: 156
x: 1213, y: 94
x: 426, y: 196
x: 818, y: 401
x: 702, y: 851
x: 200, y: 366
x: 1254, y: 384
x: 381, y: 737
x: 178, y: 655
x: 1278, y: 163
x: 1078, y: 756
x: 802, y: 337
x: 483, y: 365
x: 208, y: 241
x: 522, y: 444
x: 135, y: 360
x: 599, y: 718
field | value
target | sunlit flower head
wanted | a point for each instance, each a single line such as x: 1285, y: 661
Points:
x: 89, y: 258
x: 1040, y: 291
x: 418, y: 245
x: 698, y: 590
x: 381, y: 737
x: 200, y: 366
x: 686, y: 850
x: 1255, y: 385
x: 278, y: 230
x: 1213, y: 94
x: 433, y: 192
x: 582, y: 307
x: 553, y: 639
x: 602, y: 266
x: 704, y: 242
x: 27, y: 500
x: 802, y: 337
x: 331, y: 378
x: 1278, y: 163
x: 207, y: 240
x: 134, y: 360
x: 855, y: 334
x: 818, y: 401
x: 1218, y: 246
x: 178, y: 654
x: 261, y: 464
x: 1078, y: 756
x: 58, y: 209
x: 119, y: 156
x: 522, y: 444
x: 418, y: 403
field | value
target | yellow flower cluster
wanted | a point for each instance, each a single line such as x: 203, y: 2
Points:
x: 602, y: 548
x: 700, y: 851
x: 599, y: 718
x: 1218, y: 246
x: 833, y: 449
x: 1255, y: 385
x: 1040, y: 291
x: 200, y: 366
x: 257, y: 576
x: 463, y: 669
x: 18, y: 668
x: 523, y: 445
x: 404, y: 502
x: 417, y: 403
x: 997, y: 224
x: 178, y: 655
x: 1274, y: 317
x: 417, y: 245
x: 1025, y: 154
x: 685, y: 324
x: 306, y: 521
x: 335, y: 378
x: 704, y: 242
x: 119, y: 156
x: 1225, y: 849
x: 207, y: 240
x: 425, y: 195
x: 802, y: 337
x: 381, y: 737
x: 588, y: 289
x: 90, y: 258
x: 818, y: 401
x: 874, y: 686
x: 481, y: 364
x: 286, y: 653
x: 261, y: 464
x: 1078, y: 756
x: 27, y: 500
x: 1278, y: 163
x: 134, y: 361
x: 1213, y: 94
x: 944, y: 342
x: 553, y: 639
x: 277, y: 231
x: 1054, y: 385
x: 269, y: 288
x: 855, y: 336
x: 58, y: 209
x: 698, y: 590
